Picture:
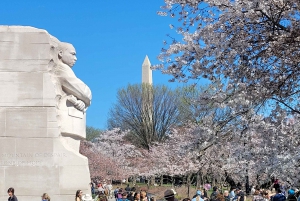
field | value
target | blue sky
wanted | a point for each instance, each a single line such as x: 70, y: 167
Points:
x: 111, y: 39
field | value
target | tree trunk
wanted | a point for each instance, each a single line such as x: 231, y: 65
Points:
x: 184, y: 180
x: 152, y: 180
x: 148, y: 183
x: 173, y: 181
x: 161, y: 180
x: 198, y: 182
x: 188, y: 182
x: 213, y: 180
x: 134, y: 180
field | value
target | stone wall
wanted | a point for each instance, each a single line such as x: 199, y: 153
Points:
x: 34, y: 156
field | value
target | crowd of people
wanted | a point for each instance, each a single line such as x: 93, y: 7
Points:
x: 257, y: 194
x: 131, y: 194
x: 105, y: 191
x: 277, y: 194
x: 234, y: 194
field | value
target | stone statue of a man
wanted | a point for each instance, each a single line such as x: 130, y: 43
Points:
x: 71, y: 85
x: 74, y: 96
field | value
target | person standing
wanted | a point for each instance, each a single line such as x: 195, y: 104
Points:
x: 204, y: 194
x: 232, y: 193
x: 116, y: 193
x: 100, y: 188
x: 124, y: 197
x: 276, y: 184
x: 213, y: 196
x: 257, y: 196
x: 143, y: 196
x: 92, y: 188
x: 240, y: 195
x: 169, y: 195
x: 298, y: 195
x: 78, y: 195
x: 109, y: 188
x: 11, y: 194
x: 252, y: 190
x: 279, y: 195
x: 267, y: 195
x: 45, y: 197
x: 198, y: 196
x: 137, y: 196
x: 291, y: 195
x: 127, y: 189
x: 100, y: 197
x: 119, y: 195
x: 226, y: 195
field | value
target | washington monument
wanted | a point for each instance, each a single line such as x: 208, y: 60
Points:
x: 146, y: 71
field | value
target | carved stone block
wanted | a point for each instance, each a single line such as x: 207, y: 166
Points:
x: 42, y: 116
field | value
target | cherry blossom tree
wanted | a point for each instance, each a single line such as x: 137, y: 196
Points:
x: 250, y: 43
x: 249, y: 50
x: 265, y: 147
x: 113, y: 144
x: 100, y: 165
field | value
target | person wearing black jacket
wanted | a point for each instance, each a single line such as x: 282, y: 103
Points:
x: 213, y: 196
x: 11, y: 194
x: 127, y: 189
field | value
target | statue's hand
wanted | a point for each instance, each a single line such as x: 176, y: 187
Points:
x: 79, y: 105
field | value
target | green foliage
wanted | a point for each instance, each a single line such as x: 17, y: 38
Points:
x: 92, y: 133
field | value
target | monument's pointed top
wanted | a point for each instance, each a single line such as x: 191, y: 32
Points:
x: 146, y: 61
x: 146, y: 71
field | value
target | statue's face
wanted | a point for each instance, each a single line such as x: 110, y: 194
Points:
x: 68, y: 55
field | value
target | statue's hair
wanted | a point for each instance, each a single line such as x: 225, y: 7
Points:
x: 64, y: 46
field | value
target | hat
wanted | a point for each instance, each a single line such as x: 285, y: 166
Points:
x: 87, y: 197
x: 173, y: 191
x: 169, y: 193
x: 207, y: 187
x: 291, y: 192
x: 198, y: 192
